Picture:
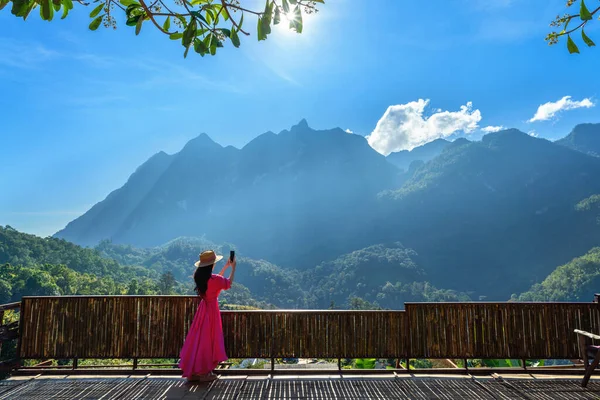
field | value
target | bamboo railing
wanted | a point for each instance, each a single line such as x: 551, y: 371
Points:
x: 499, y: 330
x: 156, y: 326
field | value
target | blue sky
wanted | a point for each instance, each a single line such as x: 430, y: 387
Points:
x: 81, y: 110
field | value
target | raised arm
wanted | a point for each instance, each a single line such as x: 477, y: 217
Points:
x: 232, y: 274
x: 227, y: 264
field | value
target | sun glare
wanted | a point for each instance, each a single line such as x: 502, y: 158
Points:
x: 284, y: 28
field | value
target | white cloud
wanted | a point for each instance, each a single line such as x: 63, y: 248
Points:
x: 533, y: 133
x: 348, y: 131
x: 404, y: 126
x: 490, y: 129
x: 550, y: 109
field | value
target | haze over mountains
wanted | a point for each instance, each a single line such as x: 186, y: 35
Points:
x: 488, y: 218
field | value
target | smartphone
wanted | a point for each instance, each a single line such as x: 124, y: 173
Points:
x: 231, y: 255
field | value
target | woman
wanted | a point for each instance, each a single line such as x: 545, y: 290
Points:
x: 204, y: 348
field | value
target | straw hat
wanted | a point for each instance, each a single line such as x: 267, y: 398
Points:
x: 207, y: 258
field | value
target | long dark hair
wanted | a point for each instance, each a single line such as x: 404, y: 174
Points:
x: 201, y: 277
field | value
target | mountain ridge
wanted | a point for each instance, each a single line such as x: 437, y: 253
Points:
x: 499, y: 209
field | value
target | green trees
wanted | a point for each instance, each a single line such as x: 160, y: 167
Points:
x: 577, y: 280
x: 201, y: 25
x: 34, y: 266
x: 590, y: 206
x: 166, y: 284
x: 17, y: 281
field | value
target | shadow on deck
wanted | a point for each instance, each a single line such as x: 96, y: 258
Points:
x: 323, y: 387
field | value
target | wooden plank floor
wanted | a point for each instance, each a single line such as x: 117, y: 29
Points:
x: 287, y: 387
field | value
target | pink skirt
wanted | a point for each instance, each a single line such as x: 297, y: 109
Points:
x: 204, y: 347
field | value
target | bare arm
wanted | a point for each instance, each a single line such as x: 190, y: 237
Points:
x: 232, y: 274
x: 227, y: 264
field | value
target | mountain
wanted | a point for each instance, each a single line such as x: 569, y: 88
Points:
x: 497, y: 211
x: 403, y: 159
x: 502, y: 210
x: 98, y: 223
x: 269, y: 197
x: 584, y: 138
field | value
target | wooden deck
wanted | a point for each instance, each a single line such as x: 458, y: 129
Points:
x: 385, y: 386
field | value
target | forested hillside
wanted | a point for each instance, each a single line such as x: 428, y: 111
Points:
x: 577, y: 280
x: 34, y: 266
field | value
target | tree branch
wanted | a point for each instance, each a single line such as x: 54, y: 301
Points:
x: 151, y: 16
x: 224, y: 4
x: 578, y: 26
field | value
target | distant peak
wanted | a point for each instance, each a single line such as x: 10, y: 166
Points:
x: 203, y: 137
x: 302, y: 125
x: 505, y: 135
x: 201, y: 141
x: 587, y: 128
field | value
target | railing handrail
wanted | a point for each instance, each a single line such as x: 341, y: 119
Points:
x: 433, y: 303
x: 155, y: 326
x: 10, y: 306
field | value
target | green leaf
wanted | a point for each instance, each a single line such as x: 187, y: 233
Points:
x: 133, y: 20
x: 138, y: 26
x: 3, y: 3
x: 30, y: 6
x: 266, y: 20
x: 175, y: 35
x: 186, y: 52
x: 584, y: 13
x: 46, y: 10
x: 241, y: 22
x: 97, y: 10
x: 126, y: 3
x: 571, y: 46
x: 133, y: 8
x: 207, y: 41
x: 189, y: 33
x: 167, y: 24
x: 19, y: 8
x: 277, y: 17
x: 586, y: 39
x: 68, y: 4
x: 319, y: 1
x: 286, y: 6
x: 293, y: 2
x: 259, y: 30
x: 225, y: 32
x: 197, y: 14
x: 200, y: 47
x: 224, y: 13
x: 96, y: 23
x: 296, y: 22
x: 235, y: 39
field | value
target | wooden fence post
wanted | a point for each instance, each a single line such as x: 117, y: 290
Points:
x: 272, y: 344
x: 1, y: 323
